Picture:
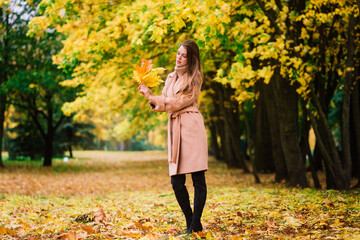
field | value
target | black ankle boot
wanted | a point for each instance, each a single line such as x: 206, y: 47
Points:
x: 188, y: 218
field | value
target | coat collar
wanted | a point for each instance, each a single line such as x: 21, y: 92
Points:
x: 181, y: 70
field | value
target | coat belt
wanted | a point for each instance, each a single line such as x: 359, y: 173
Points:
x: 175, y: 135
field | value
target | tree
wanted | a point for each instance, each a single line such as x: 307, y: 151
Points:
x: 14, y: 16
x: 282, y: 41
x: 76, y: 134
x: 26, y: 140
x: 35, y: 89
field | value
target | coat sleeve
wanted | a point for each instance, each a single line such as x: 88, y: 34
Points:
x: 163, y: 103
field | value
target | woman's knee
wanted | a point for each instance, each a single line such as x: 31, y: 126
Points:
x: 178, y: 181
x: 199, y: 180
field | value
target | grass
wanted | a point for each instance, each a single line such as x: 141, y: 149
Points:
x: 133, y: 190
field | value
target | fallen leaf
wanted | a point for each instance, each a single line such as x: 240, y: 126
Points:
x: 295, y: 223
x: 131, y: 234
x: 128, y: 209
x: 341, y: 199
x: 68, y: 236
x: 88, y: 229
x: 5, y: 231
x: 328, y: 203
x: 199, y: 235
x: 100, y: 216
x: 73, y: 235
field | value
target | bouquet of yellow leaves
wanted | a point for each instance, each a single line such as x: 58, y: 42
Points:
x: 146, y: 75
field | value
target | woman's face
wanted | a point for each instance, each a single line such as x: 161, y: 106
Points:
x: 181, y: 57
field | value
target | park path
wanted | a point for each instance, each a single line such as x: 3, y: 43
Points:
x: 122, y: 156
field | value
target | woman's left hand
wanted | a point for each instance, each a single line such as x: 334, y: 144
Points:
x: 144, y: 90
x: 152, y: 105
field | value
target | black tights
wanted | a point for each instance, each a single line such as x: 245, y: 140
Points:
x: 193, y: 222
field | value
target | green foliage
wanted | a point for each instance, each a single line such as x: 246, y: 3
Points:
x: 27, y: 143
x: 76, y: 135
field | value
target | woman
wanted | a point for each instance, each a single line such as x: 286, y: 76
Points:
x: 187, y: 140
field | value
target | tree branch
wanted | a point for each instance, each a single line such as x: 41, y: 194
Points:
x: 271, y: 16
x: 37, y: 123
x: 59, y: 122
x: 278, y: 4
x: 319, y: 140
x: 330, y: 33
x: 325, y: 124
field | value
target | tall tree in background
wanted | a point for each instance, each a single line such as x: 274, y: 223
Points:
x: 75, y: 134
x: 36, y: 90
x: 14, y: 16
x: 29, y: 80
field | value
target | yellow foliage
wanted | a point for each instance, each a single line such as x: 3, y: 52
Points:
x: 102, y: 39
x: 122, y: 129
x: 265, y: 73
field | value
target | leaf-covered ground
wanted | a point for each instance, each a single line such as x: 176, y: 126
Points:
x: 116, y: 196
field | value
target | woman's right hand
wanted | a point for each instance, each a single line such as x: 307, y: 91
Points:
x: 144, y: 90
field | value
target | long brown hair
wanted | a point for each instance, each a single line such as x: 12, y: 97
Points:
x: 194, y: 77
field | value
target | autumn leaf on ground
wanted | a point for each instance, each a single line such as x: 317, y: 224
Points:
x: 88, y: 229
x: 118, y: 205
x: 146, y: 75
x: 100, y: 216
x: 73, y: 236
x: 200, y: 235
x: 4, y: 230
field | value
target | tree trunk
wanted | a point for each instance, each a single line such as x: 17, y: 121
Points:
x: 222, y: 141
x: 355, y: 110
x: 219, y: 124
x: 48, y: 151
x: 49, y: 139
x: 230, y: 159
x: 70, y: 151
x: 234, y: 122
x: 327, y: 147
x: 305, y: 147
x: 264, y: 159
x: 127, y: 143
x: 4, y: 75
x: 250, y: 146
x: 230, y: 141
x: 304, y: 136
x: 345, y: 116
x: 272, y: 113
x: 214, y: 142
x: 2, y: 121
x: 287, y: 102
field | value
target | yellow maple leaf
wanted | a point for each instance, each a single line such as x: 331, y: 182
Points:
x: 146, y: 75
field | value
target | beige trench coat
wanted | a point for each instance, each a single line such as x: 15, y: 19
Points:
x: 187, y: 139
